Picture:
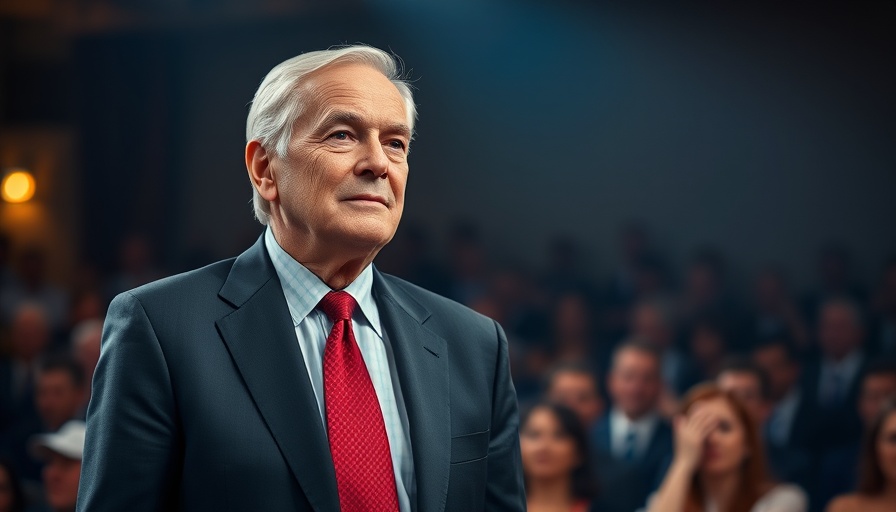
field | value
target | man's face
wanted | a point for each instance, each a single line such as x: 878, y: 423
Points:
x: 649, y: 325
x: 876, y: 390
x: 635, y: 383
x: 57, y: 398
x: 839, y: 331
x: 341, y: 183
x: 782, y: 372
x: 747, y: 388
x: 578, y: 391
x: 30, y: 333
x: 61, y: 476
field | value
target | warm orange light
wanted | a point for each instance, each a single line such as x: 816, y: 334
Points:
x: 18, y: 187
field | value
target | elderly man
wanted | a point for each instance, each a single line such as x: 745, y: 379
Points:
x: 296, y: 376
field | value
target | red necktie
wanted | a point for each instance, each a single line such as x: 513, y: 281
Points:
x: 358, y: 442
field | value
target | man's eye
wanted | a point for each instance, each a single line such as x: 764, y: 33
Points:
x: 339, y: 136
x: 396, y: 144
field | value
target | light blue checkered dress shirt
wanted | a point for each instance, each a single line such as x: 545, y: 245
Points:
x: 303, y: 291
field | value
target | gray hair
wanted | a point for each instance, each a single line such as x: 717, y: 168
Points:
x: 277, y: 103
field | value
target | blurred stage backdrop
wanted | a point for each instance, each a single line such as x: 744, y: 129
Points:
x: 765, y: 132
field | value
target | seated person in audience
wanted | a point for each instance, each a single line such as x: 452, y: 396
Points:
x: 832, y: 381
x: 774, y: 312
x: 877, y: 484
x: 708, y: 344
x: 554, y: 450
x: 653, y: 322
x: 790, y: 417
x: 747, y: 382
x: 838, y: 467
x: 633, y: 443
x: 883, y: 308
x: 86, y: 338
x: 59, y: 397
x: 575, y: 386
x: 719, y: 462
x: 12, y: 497
x: 61, y: 452
x: 29, y: 337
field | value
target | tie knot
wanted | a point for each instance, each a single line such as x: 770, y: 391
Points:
x: 338, y: 306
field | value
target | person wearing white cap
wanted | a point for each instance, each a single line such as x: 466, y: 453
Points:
x: 61, y: 452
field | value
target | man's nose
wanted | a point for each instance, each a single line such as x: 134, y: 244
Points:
x: 373, y: 160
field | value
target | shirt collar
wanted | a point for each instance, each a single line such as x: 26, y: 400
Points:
x: 304, y: 290
x: 848, y: 365
x: 622, y: 423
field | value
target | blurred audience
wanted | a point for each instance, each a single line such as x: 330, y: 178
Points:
x: 653, y: 322
x: 632, y: 441
x: 790, y: 418
x: 832, y: 379
x: 749, y: 384
x: 12, y: 497
x: 774, y: 313
x: 85, y: 345
x: 575, y: 385
x: 33, y: 285
x: 719, y: 462
x: 556, y: 468
x: 708, y: 345
x: 136, y: 265
x: 61, y: 453
x: 883, y: 307
x: 876, y: 491
x: 705, y: 291
x: 838, y: 467
x: 810, y: 384
x: 58, y: 398
x: 29, y: 339
x: 835, y: 280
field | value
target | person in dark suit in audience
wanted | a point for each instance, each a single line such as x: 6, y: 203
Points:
x: 58, y: 395
x: 653, y: 322
x: 790, y: 418
x: 876, y: 491
x: 28, y: 339
x: 832, y: 380
x: 839, y: 467
x: 297, y: 377
x: 632, y: 441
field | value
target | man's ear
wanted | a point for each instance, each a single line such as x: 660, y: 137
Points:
x: 261, y: 172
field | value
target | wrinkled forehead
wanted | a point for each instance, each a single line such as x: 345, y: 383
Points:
x: 353, y: 87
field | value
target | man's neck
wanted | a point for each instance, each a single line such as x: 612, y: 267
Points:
x: 636, y: 417
x: 337, y: 268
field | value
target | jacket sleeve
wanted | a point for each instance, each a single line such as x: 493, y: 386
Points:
x: 132, y: 451
x: 505, y: 490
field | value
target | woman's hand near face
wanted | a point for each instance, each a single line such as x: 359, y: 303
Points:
x: 691, y: 432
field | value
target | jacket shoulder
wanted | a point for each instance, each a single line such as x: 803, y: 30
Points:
x: 199, y: 282
x: 436, y: 304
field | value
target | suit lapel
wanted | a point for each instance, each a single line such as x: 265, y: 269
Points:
x: 421, y: 359
x: 260, y: 337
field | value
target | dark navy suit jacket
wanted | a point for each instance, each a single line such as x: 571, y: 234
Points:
x: 201, y: 400
x: 625, y: 485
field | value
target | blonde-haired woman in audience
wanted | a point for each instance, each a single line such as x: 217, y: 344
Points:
x: 877, y: 476
x: 719, y: 463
